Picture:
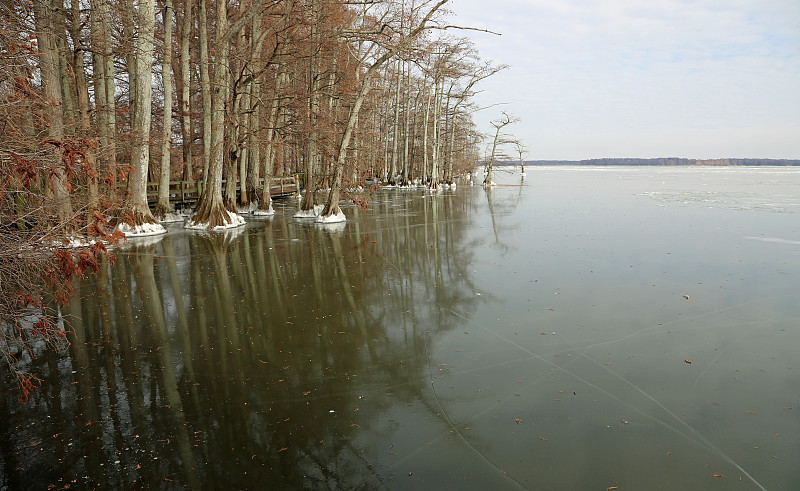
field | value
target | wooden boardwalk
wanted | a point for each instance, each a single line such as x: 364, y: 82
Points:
x: 188, y: 192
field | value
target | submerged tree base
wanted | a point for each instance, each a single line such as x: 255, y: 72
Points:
x: 264, y: 211
x: 139, y: 224
x: 169, y: 218
x: 231, y: 220
x: 336, y: 217
x: 161, y: 210
x: 312, y: 213
x: 247, y: 209
x: 212, y: 215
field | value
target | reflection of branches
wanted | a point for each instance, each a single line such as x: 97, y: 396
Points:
x: 272, y: 333
x: 489, y: 201
x: 163, y: 364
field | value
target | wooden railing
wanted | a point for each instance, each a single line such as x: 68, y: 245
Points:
x: 185, y: 192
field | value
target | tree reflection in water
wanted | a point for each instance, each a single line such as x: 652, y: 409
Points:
x: 267, y: 355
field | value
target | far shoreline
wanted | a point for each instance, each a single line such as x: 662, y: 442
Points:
x: 664, y: 162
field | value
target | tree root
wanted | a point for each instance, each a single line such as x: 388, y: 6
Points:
x: 212, y: 212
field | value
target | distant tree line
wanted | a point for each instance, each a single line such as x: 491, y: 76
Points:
x: 664, y: 161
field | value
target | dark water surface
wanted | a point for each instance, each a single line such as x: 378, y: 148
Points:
x: 533, y: 336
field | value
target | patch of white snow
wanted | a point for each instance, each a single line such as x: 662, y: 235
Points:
x: 75, y: 241
x: 142, y: 230
x: 338, y: 217
x: 246, y: 210
x: 170, y: 218
x: 309, y: 213
x: 234, y: 220
x: 264, y: 213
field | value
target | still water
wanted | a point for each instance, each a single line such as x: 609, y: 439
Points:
x: 583, y: 328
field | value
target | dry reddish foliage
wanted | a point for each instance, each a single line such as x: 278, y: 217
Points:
x: 36, y: 268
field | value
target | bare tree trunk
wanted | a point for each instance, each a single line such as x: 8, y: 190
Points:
x: 243, y: 149
x: 520, y: 147
x: 254, y: 148
x: 68, y: 89
x: 53, y: 110
x: 282, y: 154
x: 332, y: 204
x: 265, y: 203
x: 396, y: 127
x: 487, y: 181
x: 108, y: 77
x: 229, y: 137
x: 407, y: 122
x: 84, y: 120
x: 163, y: 207
x: 140, y: 126
x: 451, y: 146
x: 103, y: 81
x: 312, y: 148
x: 186, y: 81
x: 448, y: 123
x: 99, y: 80
x: 418, y: 106
x: 437, y: 108
x: 334, y: 103
x: 128, y: 36
x: 205, y: 88
x: 425, y: 135
x: 240, y: 118
x: 376, y: 143
x: 211, y: 211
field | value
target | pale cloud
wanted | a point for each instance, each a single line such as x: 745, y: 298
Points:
x: 693, y: 78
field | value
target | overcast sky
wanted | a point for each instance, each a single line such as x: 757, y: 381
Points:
x: 642, y: 78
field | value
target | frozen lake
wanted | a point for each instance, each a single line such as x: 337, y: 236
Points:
x: 583, y: 328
